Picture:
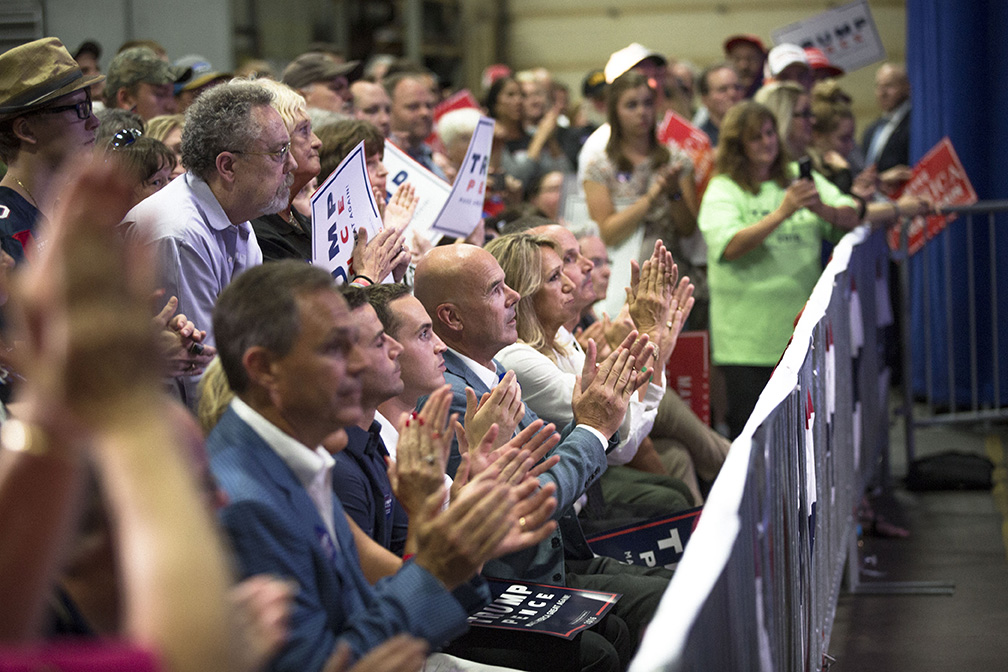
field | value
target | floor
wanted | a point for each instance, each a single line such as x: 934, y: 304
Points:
x: 958, y: 538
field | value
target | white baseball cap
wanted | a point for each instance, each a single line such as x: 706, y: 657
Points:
x: 626, y: 58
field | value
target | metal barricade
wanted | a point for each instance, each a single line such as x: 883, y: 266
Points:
x: 758, y: 585
x: 972, y: 389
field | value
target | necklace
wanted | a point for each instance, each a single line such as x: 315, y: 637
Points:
x: 21, y: 184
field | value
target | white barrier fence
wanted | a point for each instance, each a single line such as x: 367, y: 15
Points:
x: 758, y: 585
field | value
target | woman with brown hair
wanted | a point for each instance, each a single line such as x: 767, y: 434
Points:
x: 638, y: 191
x: 764, y: 230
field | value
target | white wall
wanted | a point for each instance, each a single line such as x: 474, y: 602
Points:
x: 182, y: 26
x: 573, y: 37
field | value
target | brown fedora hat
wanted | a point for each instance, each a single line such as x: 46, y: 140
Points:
x: 38, y: 72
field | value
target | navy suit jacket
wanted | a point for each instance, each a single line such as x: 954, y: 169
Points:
x: 360, y: 480
x: 896, y: 151
x: 582, y: 461
x: 275, y: 529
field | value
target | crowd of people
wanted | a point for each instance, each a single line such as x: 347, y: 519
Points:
x: 368, y: 454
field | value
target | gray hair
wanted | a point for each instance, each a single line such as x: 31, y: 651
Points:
x: 220, y: 120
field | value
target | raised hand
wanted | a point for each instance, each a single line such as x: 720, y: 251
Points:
x: 502, y: 406
x: 401, y: 207
x: 375, y: 259
x: 422, y: 452
x: 601, y: 402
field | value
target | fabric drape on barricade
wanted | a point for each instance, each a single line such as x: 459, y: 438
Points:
x: 757, y: 587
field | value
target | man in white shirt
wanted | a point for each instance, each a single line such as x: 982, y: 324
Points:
x: 236, y: 151
x: 290, y: 351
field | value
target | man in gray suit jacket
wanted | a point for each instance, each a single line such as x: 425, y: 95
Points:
x: 473, y: 311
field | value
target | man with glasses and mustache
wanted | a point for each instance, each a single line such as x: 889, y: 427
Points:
x: 236, y: 152
x: 45, y: 126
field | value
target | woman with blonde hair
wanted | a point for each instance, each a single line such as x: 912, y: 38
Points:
x: 547, y: 362
x: 168, y: 129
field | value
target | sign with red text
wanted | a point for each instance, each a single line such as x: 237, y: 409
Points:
x: 846, y: 34
x: 654, y: 543
x: 340, y: 207
x: 431, y: 191
x: 676, y: 129
x: 463, y: 210
x: 940, y: 178
x: 688, y: 372
x: 549, y: 610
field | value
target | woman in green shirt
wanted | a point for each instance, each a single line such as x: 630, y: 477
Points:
x: 764, y: 229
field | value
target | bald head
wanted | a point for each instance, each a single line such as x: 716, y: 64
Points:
x: 892, y: 86
x: 473, y: 311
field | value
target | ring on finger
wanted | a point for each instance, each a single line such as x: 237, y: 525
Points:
x: 522, y: 522
x: 429, y: 459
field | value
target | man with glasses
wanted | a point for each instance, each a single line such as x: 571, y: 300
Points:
x: 45, y: 125
x: 236, y: 152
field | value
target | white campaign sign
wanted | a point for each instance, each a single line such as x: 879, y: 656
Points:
x: 464, y: 208
x: 431, y: 190
x: 846, y: 34
x: 340, y: 207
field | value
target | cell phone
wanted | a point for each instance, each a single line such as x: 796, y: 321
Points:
x: 805, y: 168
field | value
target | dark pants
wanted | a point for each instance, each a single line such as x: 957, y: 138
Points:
x: 605, y: 647
x: 744, y: 385
x: 642, y: 588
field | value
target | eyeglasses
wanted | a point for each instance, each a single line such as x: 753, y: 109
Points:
x: 277, y: 155
x: 125, y: 138
x: 804, y: 114
x: 83, y: 109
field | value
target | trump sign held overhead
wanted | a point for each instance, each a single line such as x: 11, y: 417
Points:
x: 340, y: 207
x: 846, y: 34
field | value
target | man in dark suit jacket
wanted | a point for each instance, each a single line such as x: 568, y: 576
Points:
x: 291, y: 355
x: 886, y: 141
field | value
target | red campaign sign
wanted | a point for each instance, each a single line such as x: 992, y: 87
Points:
x: 460, y: 100
x: 675, y: 129
x: 688, y: 372
x: 940, y: 178
x: 457, y: 101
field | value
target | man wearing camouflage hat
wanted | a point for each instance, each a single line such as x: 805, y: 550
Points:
x: 46, y: 125
x: 141, y: 82
x: 322, y: 80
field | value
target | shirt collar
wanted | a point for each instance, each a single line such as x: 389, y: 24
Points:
x: 487, y: 376
x: 214, y: 214
x: 302, y: 460
x: 389, y: 434
x: 898, y: 113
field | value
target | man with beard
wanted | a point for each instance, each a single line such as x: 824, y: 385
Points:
x: 236, y: 152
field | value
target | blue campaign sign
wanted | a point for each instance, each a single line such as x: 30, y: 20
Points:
x: 653, y: 543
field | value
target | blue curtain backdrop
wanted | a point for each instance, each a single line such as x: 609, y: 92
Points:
x: 957, y: 60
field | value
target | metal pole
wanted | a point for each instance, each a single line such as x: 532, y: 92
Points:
x: 904, y: 268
